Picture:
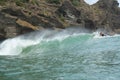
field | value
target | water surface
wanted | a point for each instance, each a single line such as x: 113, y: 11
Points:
x: 60, y: 57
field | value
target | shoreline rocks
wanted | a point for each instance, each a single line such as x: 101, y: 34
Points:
x: 20, y: 19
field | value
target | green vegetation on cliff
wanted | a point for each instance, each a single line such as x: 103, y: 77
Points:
x: 75, y: 2
x: 21, y: 2
x: 2, y: 2
x: 54, y: 1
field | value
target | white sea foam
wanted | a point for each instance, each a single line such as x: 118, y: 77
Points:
x: 97, y: 35
x: 14, y: 46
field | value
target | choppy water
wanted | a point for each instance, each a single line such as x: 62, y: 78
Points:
x: 60, y: 56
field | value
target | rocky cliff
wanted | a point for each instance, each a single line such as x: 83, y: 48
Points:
x: 23, y: 16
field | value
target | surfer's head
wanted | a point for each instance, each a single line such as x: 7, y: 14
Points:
x: 102, y: 34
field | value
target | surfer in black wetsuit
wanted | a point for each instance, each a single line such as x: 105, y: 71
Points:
x: 102, y: 34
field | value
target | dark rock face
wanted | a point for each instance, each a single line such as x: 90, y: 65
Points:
x: 11, y: 26
x: 68, y: 10
x: 11, y: 31
x: 17, y: 20
x: 112, y: 12
x: 111, y: 5
x: 2, y: 35
x: 45, y: 22
x: 89, y: 24
x: 6, y: 22
x: 116, y: 21
x: 14, y: 12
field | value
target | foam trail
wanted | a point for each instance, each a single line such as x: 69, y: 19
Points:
x: 97, y: 35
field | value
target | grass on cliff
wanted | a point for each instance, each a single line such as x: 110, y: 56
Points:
x: 21, y: 2
x: 2, y: 2
x: 54, y: 1
x: 18, y: 2
x: 75, y: 2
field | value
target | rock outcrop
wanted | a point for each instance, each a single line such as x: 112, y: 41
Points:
x: 24, y: 17
x: 112, y: 14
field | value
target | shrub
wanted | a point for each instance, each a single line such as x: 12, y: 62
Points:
x: 2, y: 2
x: 62, y: 18
x: 75, y: 2
x: 21, y: 2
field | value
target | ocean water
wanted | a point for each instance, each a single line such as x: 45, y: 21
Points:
x: 63, y: 55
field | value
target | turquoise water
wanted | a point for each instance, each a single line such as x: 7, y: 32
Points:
x: 60, y: 57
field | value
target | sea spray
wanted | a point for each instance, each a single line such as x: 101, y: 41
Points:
x: 15, y: 46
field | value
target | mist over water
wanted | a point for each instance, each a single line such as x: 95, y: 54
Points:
x: 71, y: 54
x: 14, y: 46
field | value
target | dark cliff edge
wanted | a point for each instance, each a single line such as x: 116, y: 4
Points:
x: 20, y: 17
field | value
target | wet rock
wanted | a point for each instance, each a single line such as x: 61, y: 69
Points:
x: 2, y: 36
x: 79, y: 21
x: 11, y: 31
x: 89, y: 24
x: 6, y: 21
